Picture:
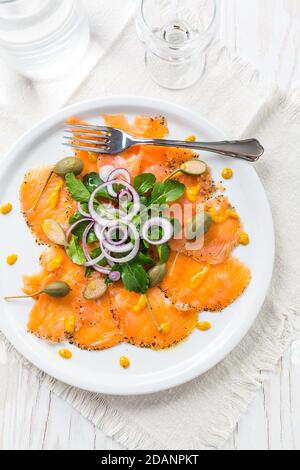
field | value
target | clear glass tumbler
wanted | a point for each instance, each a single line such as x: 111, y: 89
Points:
x: 176, y: 34
x: 43, y: 39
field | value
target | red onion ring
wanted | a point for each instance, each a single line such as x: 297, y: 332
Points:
x: 105, y: 172
x: 158, y: 222
x: 134, y: 210
x: 108, y: 234
x: 94, y: 214
x: 81, y: 211
x: 113, y: 176
x: 136, y: 246
x: 125, y: 192
x: 114, y: 276
x: 71, y: 228
x: 92, y: 262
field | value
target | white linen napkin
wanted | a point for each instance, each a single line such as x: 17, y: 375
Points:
x: 204, y: 412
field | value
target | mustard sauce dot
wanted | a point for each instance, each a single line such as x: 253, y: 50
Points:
x: 244, y: 239
x: 6, y: 208
x: 227, y: 173
x: 191, y: 138
x: 203, y: 326
x: 124, y: 362
x: 12, y: 259
x: 165, y: 328
x: 65, y: 353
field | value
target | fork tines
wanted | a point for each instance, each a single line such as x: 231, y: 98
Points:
x: 77, y: 135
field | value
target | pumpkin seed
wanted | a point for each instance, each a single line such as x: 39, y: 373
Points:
x: 55, y: 233
x: 194, y: 168
x: 157, y: 274
x: 55, y: 289
x: 198, y: 226
x: 68, y: 165
x: 95, y: 289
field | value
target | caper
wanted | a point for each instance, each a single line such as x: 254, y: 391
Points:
x: 198, y: 226
x: 55, y: 289
x: 55, y: 233
x: 68, y: 165
x: 95, y: 289
x: 157, y: 274
x: 194, y: 168
x: 62, y: 168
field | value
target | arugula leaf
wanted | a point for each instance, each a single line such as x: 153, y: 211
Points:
x: 168, y: 191
x: 75, y: 252
x: 89, y: 271
x: 135, y: 278
x: 80, y: 228
x: 93, y: 181
x: 94, y: 254
x: 144, y: 183
x: 164, y: 253
x: 76, y: 188
x: 144, y: 259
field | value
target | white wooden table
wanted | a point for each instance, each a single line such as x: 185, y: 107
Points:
x: 267, y: 33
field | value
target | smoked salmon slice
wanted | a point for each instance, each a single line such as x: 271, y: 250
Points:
x: 137, y: 326
x: 96, y: 328
x: 221, y: 239
x: 55, y: 202
x: 143, y: 126
x: 94, y: 325
x: 190, y: 284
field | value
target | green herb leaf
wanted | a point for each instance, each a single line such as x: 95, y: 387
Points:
x: 144, y: 259
x: 75, y: 252
x: 76, y: 188
x: 80, y: 228
x: 169, y: 191
x: 135, y: 278
x: 164, y: 253
x: 144, y: 183
x: 89, y: 271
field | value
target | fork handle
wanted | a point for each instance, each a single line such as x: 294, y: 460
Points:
x: 250, y: 149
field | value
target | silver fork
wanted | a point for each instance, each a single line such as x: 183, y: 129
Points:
x: 107, y: 140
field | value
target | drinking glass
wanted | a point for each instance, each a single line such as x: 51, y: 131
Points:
x: 43, y: 39
x: 176, y: 34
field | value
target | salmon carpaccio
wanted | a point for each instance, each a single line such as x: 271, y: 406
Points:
x: 206, y: 278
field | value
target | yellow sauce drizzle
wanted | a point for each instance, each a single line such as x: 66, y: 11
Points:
x: 65, y: 353
x: 219, y: 217
x: 124, y: 362
x: 227, y: 173
x: 244, y: 239
x: 6, y: 208
x: 203, y: 326
x: 70, y: 325
x: 12, y: 259
x: 197, y: 280
x: 191, y: 138
x: 54, y: 264
x: 141, y: 304
x: 192, y: 192
x: 55, y: 194
x: 165, y: 328
x: 93, y: 157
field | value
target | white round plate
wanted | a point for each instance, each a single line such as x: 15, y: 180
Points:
x: 150, y: 371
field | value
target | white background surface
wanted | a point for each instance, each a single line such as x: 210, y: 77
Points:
x: 267, y: 33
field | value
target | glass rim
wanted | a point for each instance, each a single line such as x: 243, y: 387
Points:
x: 20, y: 18
x: 140, y: 11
